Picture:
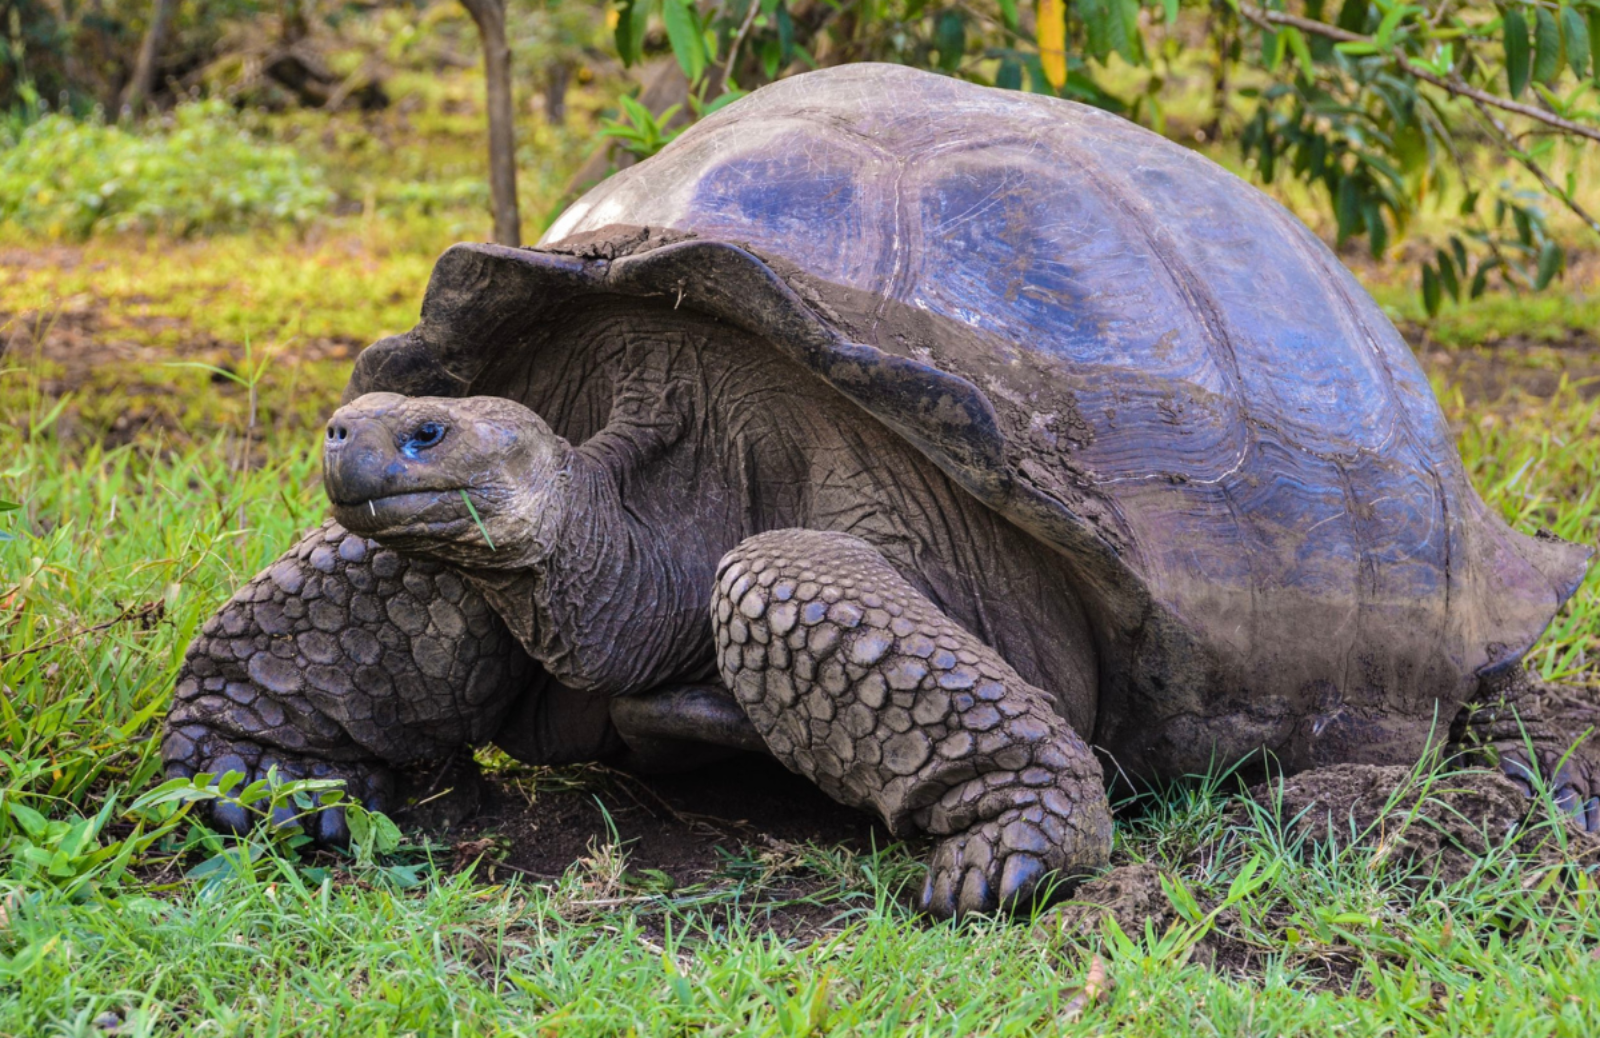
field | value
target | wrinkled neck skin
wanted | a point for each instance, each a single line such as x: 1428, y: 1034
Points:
x: 607, y: 607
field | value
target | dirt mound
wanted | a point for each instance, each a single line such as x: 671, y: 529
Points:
x: 749, y: 815
x: 1447, y: 821
x: 1129, y: 894
x: 1435, y: 827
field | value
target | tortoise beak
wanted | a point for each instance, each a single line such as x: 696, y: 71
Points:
x: 359, y: 460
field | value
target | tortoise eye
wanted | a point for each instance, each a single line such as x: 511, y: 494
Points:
x: 424, y: 436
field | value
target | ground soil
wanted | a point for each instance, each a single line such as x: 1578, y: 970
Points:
x: 1435, y: 830
x: 685, y: 826
x: 1502, y: 371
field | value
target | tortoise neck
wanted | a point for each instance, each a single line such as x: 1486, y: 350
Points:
x: 607, y: 608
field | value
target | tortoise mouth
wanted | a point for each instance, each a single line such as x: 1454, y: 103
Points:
x: 438, y: 510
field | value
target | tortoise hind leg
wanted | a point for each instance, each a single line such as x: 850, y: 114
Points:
x: 1538, y: 735
x: 859, y: 682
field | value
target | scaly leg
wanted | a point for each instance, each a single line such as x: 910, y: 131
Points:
x: 860, y: 683
x: 342, y: 660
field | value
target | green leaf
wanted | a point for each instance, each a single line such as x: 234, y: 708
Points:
x: 785, y: 33
x: 1576, y: 31
x: 727, y: 98
x: 1008, y: 14
x: 1096, y: 17
x: 1594, y: 40
x: 1430, y: 290
x: 1390, y: 23
x: 1180, y: 897
x: 1353, y: 15
x: 1516, y: 43
x: 1524, y: 224
x: 1480, y: 280
x: 1547, y: 46
x: 1010, y: 75
x: 1551, y: 260
x: 1348, y: 208
x: 633, y: 18
x: 473, y: 511
x: 683, y: 33
x: 1129, y: 38
x: 950, y: 37
x: 1248, y: 882
x: 1302, y: 53
x: 30, y: 821
x: 1377, y: 230
x: 1447, y: 275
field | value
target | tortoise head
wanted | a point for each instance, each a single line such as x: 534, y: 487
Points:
x: 476, y: 481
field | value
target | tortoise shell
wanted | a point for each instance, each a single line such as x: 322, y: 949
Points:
x: 1111, y: 340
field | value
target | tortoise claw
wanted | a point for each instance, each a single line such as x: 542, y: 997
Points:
x: 331, y: 828
x: 1519, y: 773
x: 939, y: 891
x: 977, y: 893
x: 1568, y: 781
x: 229, y: 817
x: 1020, y: 880
x: 971, y: 874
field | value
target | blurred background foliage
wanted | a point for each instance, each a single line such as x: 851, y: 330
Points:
x: 1476, y: 119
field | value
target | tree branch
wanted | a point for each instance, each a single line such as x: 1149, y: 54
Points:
x: 1266, y: 19
x: 733, y: 49
x: 1499, y: 130
x: 490, y: 17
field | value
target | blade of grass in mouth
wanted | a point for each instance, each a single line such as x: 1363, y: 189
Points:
x: 481, y: 528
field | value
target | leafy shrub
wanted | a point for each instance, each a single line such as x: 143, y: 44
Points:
x: 196, y: 170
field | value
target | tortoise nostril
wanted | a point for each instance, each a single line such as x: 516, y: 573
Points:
x: 338, y: 432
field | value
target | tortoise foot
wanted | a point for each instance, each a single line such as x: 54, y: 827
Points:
x: 1568, y: 781
x: 194, y: 749
x: 1540, y: 736
x: 984, y: 870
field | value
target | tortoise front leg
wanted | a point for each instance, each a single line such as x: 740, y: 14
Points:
x: 859, y: 682
x: 342, y: 660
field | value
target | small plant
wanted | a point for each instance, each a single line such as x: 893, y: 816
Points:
x: 638, y: 131
x: 74, y: 855
x: 278, y: 804
x: 642, y: 133
x: 199, y: 171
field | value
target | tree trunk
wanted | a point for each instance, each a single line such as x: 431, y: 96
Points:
x: 557, y: 77
x: 490, y: 16
x: 143, y: 82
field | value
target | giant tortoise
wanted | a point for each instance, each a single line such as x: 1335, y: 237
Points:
x: 955, y: 447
